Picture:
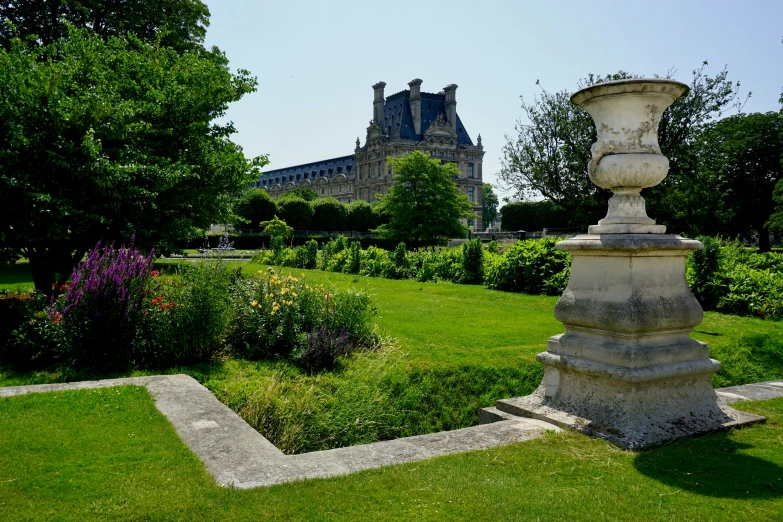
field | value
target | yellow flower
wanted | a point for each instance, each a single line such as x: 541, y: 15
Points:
x: 254, y: 303
x: 293, y: 294
x: 284, y: 291
x: 273, y: 312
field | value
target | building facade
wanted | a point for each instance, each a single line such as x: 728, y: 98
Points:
x: 403, y: 122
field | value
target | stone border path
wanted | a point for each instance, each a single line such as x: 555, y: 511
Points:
x: 237, y: 455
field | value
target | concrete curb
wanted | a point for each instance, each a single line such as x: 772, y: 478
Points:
x: 237, y: 455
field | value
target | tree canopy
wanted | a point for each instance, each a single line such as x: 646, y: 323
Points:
x: 328, y: 214
x: 740, y: 164
x: 295, y: 211
x: 489, y: 205
x: 532, y: 216
x: 549, y: 155
x: 306, y: 193
x: 178, y: 24
x: 253, y: 206
x: 106, y: 138
x: 423, y: 203
x: 361, y: 216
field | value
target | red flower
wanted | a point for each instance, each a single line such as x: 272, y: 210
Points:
x: 164, y: 306
x: 155, y: 273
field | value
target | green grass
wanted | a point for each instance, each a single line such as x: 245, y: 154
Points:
x: 109, y: 455
x: 17, y: 277
x: 460, y: 348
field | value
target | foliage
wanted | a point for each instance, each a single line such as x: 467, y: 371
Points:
x: 740, y: 163
x: 360, y: 216
x: 107, y: 138
x: 295, y: 211
x: 254, y: 206
x: 473, y: 262
x: 98, y: 311
x: 328, y: 214
x: 531, y: 266
x: 549, y: 155
x: 534, y: 216
x: 726, y: 277
x: 185, y: 316
x: 424, y: 203
x: 180, y: 24
x: 277, y: 228
x: 311, y: 325
x: 489, y: 205
x: 306, y: 193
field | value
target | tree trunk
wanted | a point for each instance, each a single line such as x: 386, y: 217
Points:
x: 43, y: 275
x: 764, y: 244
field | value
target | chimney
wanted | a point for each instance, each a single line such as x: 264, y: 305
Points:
x: 415, y: 103
x: 451, y: 105
x: 377, y: 104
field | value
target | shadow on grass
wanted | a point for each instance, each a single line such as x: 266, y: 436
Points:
x: 713, y: 466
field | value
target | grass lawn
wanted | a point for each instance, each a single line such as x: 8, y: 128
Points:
x: 460, y: 348
x: 109, y: 455
x: 16, y: 278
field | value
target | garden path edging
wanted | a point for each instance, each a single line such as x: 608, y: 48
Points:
x: 237, y: 455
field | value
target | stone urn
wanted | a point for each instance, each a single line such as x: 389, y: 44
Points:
x: 626, y: 368
x: 626, y: 157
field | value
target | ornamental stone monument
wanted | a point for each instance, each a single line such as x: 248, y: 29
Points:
x: 626, y: 369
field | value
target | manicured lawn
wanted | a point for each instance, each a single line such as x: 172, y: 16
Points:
x: 459, y: 348
x: 16, y: 278
x: 109, y: 455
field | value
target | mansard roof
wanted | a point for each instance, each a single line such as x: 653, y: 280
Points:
x: 325, y: 168
x: 397, y: 110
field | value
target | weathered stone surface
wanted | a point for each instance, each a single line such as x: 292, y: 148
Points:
x: 626, y: 369
x: 237, y: 455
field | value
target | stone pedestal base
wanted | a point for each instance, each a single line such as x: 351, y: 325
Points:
x: 627, y: 411
x: 626, y: 369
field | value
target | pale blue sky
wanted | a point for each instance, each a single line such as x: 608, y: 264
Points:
x: 316, y: 61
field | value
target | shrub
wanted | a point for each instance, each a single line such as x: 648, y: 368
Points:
x: 360, y: 216
x: 254, y: 206
x: 186, y: 316
x: 492, y: 247
x: 472, y: 262
x: 99, y: 311
x: 311, y: 325
x: 328, y: 214
x: 725, y: 276
x: 295, y: 211
x: 531, y: 266
x: 354, y: 259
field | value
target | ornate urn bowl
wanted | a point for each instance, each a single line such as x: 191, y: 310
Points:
x: 626, y: 157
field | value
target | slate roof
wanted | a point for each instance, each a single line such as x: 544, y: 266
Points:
x: 312, y: 171
x: 398, y: 111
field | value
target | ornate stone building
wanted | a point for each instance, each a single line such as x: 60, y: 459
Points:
x: 403, y: 122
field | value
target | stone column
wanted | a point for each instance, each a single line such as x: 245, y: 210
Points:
x: 415, y: 103
x: 626, y: 368
x: 451, y: 105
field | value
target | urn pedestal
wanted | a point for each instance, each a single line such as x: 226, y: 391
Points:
x: 626, y: 368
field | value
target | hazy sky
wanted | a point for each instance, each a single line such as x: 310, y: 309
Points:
x: 316, y: 61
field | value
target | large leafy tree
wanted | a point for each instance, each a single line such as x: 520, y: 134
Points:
x: 489, y: 205
x: 101, y: 139
x: 179, y: 24
x: 424, y: 204
x: 549, y: 155
x: 740, y: 163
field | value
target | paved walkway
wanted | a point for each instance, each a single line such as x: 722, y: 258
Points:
x: 236, y: 454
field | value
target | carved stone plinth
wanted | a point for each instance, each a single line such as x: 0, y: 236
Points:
x: 626, y: 369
